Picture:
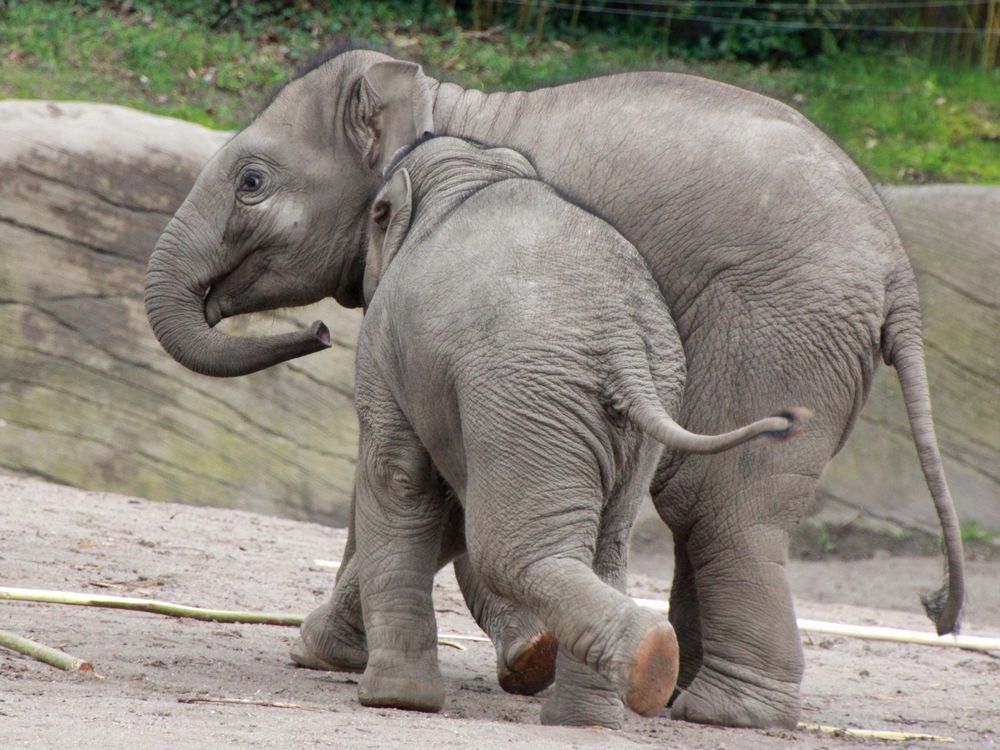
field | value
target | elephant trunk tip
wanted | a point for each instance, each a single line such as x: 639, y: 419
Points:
x: 321, y: 333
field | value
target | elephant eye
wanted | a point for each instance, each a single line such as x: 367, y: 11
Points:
x: 251, y: 181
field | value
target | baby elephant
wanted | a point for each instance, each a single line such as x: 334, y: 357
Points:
x: 516, y: 348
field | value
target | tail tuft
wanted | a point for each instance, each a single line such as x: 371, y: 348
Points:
x: 796, y: 417
x: 935, y: 604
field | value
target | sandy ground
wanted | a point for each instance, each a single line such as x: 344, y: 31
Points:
x: 150, y: 666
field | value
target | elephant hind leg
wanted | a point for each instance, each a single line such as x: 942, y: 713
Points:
x: 540, y: 553
x: 685, y: 615
x: 526, y: 651
x: 752, y: 660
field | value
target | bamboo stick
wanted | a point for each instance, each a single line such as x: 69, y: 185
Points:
x: 874, y: 633
x: 326, y: 564
x: 148, y: 605
x: 170, y: 609
x: 898, y: 635
x: 863, y: 632
x: 41, y: 652
x: 872, y: 734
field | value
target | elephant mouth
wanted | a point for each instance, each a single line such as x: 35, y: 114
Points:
x: 237, y: 291
x: 213, y: 308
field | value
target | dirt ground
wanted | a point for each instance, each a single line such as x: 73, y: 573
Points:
x: 152, y: 667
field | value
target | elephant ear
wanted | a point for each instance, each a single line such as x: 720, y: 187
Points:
x: 388, y: 224
x: 391, y: 107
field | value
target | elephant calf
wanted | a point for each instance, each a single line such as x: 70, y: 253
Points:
x: 517, y: 348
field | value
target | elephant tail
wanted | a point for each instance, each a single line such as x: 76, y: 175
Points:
x: 903, y: 348
x: 650, y: 417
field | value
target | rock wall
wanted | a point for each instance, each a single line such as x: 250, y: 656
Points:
x: 952, y: 235
x: 88, y: 398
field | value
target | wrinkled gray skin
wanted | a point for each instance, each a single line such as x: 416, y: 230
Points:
x: 518, y: 346
x: 784, y: 274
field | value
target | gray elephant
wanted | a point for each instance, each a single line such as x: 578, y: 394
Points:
x: 786, y: 278
x: 517, y: 345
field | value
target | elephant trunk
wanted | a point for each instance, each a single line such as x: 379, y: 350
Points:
x: 177, y: 278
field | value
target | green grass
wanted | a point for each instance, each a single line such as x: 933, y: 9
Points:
x: 973, y: 533
x: 902, y: 119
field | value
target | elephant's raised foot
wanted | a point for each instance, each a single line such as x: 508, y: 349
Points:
x: 528, y: 665
x: 714, y: 698
x: 643, y: 678
x: 327, y: 642
x: 412, y: 683
x: 653, y: 672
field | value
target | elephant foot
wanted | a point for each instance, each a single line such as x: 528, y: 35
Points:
x: 596, y: 710
x: 527, y: 665
x: 650, y: 678
x: 326, y: 642
x: 758, y: 702
x: 690, y: 664
x: 401, y: 681
x: 582, y: 697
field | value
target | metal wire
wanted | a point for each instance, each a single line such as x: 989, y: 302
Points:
x: 804, y: 7
x: 767, y: 24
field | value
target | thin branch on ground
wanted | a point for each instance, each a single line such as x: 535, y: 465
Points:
x: 252, y: 702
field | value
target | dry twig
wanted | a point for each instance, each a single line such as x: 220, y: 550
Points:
x: 251, y: 702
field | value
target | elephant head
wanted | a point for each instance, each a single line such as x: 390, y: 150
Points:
x: 423, y: 184
x: 278, y: 216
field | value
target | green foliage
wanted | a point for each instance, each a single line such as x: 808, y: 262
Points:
x: 213, y: 62
x: 973, y: 533
x: 904, y: 119
x: 757, y: 30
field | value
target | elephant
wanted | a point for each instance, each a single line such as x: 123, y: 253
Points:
x: 516, y: 348
x: 784, y: 274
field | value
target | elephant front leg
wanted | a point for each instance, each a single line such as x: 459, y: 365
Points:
x: 752, y: 660
x: 526, y: 651
x: 332, y: 637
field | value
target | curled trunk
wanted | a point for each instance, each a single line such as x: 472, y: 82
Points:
x: 177, y: 279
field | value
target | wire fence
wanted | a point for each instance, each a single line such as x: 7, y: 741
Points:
x: 957, y: 30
